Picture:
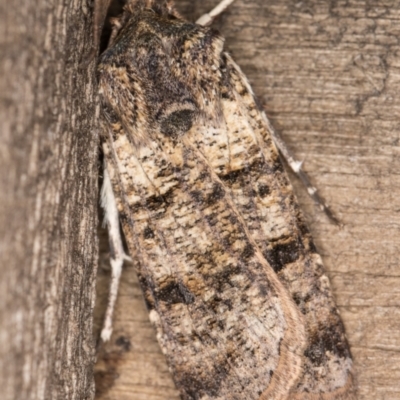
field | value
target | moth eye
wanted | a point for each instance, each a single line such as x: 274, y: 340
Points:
x: 177, y: 122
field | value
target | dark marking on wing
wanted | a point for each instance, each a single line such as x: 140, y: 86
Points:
x: 218, y: 193
x: 175, y: 292
x: 148, y: 233
x: 263, y: 190
x: 248, y: 252
x: 159, y: 203
x: 282, y: 253
x: 327, y: 339
x: 177, y: 123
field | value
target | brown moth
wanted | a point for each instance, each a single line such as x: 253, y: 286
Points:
x: 231, y: 277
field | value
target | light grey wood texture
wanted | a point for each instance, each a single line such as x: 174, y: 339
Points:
x: 48, y: 201
x: 328, y: 75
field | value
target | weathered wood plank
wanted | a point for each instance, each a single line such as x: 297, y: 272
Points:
x: 328, y: 74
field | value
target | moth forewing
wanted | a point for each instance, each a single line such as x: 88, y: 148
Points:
x: 229, y: 272
x: 213, y: 298
x: 264, y: 197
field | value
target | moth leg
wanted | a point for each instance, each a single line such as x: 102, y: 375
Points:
x: 117, y: 253
x: 296, y: 167
x: 208, y: 18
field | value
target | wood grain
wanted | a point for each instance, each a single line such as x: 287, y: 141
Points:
x: 328, y: 74
x: 48, y: 201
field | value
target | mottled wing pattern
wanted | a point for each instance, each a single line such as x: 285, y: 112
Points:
x: 223, y: 320
x: 234, y: 287
x: 243, y: 155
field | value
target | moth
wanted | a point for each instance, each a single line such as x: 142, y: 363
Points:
x: 231, y: 277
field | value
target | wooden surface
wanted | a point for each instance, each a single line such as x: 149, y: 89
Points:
x: 48, y: 201
x: 328, y: 74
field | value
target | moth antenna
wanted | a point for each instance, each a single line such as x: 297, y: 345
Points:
x: 208, y: 18
x: 297, y: 167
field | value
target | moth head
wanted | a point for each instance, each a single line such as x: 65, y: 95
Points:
x: 160, y: 73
